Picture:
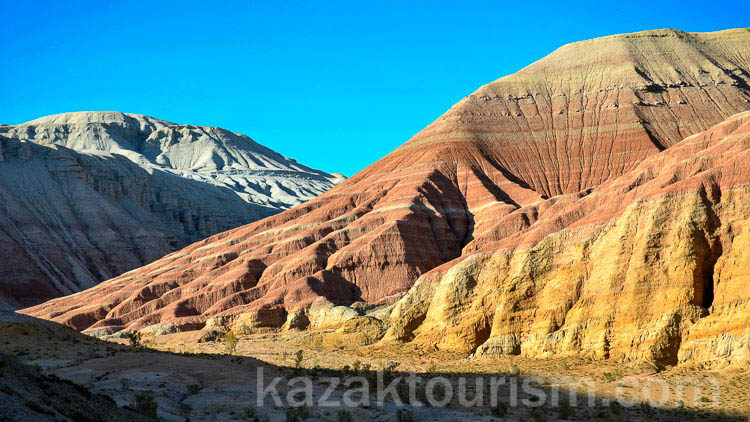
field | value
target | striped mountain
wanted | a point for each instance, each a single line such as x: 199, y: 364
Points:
x: 564, y: 209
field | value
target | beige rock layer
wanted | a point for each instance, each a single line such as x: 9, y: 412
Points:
x: 651, y: 266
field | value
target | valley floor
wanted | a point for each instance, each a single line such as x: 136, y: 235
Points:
x: 200, y: 381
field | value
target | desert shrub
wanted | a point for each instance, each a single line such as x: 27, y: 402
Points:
x: 145, y: 404
x: 185, y: 409
x: 193, y: 389
x: 514, y: 371
x: 230, y: 341
x: 614, y: 408
x: 402, y: 391
x: 298, y: 358
x: 612, y: 376
x: 135, y: 338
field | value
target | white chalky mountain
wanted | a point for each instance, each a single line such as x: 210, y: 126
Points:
x: 86, y: 196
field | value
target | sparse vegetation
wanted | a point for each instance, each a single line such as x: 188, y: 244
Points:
x: 538, y: 415
x: 144, y: 403
x: 193, y: 389
x: 230, y: 341
x: 185, y: 409
x: 135, y: 338
x: 249, y: 412
x: 404, y: 416
x: 299, y: 356
x: 612, y: 376
x: 344, y: 416
x: 297, y: 414
x: 500, y: 410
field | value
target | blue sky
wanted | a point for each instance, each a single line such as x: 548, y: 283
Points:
x: 336, y: 85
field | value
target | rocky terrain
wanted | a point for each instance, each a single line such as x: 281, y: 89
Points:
x: 208, y: 154
x: 593, y: 204
x: 87, y: 196
x: 29, y: 395
x: 50, y: 372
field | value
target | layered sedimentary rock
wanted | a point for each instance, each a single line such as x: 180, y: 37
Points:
x: 652, y: 265
x: 69, y: 220
x: 87, y: 196
x: 481, y: 232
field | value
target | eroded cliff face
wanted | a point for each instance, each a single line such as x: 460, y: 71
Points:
x: 87, y: 196
x: 486, y: 231
x: 592, y: 110
x: 651, y: 266
x: 69, y: 220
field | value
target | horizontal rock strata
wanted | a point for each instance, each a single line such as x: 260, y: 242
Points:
x: 554, y: 211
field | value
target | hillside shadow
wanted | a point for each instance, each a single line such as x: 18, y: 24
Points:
x: 518, y: 397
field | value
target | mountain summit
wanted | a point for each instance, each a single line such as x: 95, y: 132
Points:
x: 211, y: 155
x: 487, y: 231
x: 86, y: 196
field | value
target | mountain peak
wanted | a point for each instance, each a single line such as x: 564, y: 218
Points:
x: 491, y: 217
x: 208, y: 154
x: 86, y: 117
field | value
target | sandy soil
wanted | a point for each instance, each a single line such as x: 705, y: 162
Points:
x: 201, y: 381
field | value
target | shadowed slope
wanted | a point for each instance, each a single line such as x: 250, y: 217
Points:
x: 651, y: 265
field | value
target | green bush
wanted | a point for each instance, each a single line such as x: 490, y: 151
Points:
x: 193, y: 389
x: 145, y: 404
x: 298, y: 357
x: 135, y: 338
x: 230, y: 340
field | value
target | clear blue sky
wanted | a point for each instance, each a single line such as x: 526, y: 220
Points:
x: 336, y: 85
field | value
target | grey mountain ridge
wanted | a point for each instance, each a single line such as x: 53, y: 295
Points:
x: 87, y: 196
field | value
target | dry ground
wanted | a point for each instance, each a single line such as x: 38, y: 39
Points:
x: 200, y: 381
